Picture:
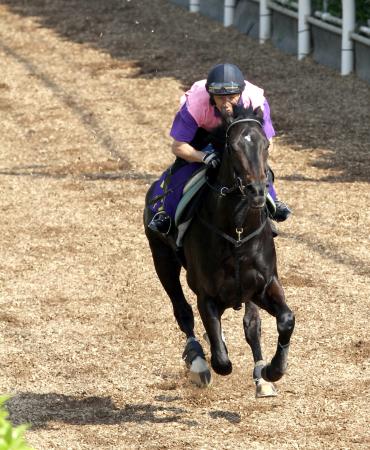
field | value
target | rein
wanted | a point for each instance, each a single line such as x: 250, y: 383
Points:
x: 224, y: 190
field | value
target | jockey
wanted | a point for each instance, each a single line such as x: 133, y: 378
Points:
x: 199, y: 113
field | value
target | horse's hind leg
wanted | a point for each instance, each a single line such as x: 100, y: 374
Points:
x: 168, y: 270
x: 252, y: 332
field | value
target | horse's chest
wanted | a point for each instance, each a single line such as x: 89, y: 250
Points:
x: 241, y: 283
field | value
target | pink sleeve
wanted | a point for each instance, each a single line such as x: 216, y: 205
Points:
x: 197, y: 100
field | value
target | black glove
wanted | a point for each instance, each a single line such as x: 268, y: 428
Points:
x: 211, y: 158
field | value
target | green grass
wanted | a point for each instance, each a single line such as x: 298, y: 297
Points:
x: 11, y: 438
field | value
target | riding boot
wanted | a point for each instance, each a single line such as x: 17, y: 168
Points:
x: 278, y: 210
x: 160, y: 222
x: 282, y: 211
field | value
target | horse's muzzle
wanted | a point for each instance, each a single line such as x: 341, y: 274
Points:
x: 258, y: 202
x: 257, y: 194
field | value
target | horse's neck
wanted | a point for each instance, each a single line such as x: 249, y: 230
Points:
x: 226, y: 175
x: 232, y: 211
x: 246, y: 217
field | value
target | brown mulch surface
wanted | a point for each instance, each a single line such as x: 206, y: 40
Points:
x: 89, y: 347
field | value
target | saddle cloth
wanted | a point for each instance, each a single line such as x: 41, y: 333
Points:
x: 174, y: 191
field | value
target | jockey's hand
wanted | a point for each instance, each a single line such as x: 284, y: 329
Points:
x: 211, y: 158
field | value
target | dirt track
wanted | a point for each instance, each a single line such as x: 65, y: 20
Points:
x: 89, y: 346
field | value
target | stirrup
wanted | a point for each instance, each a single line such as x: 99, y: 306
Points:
x: 160, y: 222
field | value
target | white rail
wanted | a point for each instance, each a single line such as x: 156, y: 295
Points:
x: 265, y: 21
x: 194, y: 6
x: 301, y: 10
x: 348, y: 27
x: 304, y: 34
x: 229, y: 7
x: 365, y: 30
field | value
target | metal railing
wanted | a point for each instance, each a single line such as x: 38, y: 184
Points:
x: 301, y: 11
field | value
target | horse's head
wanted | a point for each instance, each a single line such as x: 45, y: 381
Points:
x: 246, y: 153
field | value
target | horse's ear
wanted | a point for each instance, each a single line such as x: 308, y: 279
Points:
x: 259, y: 113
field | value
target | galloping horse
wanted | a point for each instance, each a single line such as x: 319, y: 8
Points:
x: 229, y: 257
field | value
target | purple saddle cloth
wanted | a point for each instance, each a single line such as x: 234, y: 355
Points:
x: 167, y: 191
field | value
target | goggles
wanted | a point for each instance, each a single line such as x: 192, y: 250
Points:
x: 224, y: 88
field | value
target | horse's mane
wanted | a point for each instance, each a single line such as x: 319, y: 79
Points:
x: 218, y: 135
x: 247, y: 113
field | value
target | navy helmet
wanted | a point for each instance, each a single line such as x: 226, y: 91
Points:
x: 225, y: 79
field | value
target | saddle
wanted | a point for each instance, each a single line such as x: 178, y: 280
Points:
x: 189, y: 203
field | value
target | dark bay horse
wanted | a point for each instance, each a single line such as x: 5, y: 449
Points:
x: 230, y: 258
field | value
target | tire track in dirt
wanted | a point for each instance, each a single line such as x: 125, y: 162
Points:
x: 60, y: 88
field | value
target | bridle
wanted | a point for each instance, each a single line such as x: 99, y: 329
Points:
x: 238, y: 185
x: 241, y: 121
x: 245, y: 192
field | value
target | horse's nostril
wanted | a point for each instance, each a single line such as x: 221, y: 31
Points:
x: 252, y: 189
x: 258, y: 201
x: 257, y: 190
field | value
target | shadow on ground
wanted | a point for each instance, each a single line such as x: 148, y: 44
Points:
x: 39, y: 409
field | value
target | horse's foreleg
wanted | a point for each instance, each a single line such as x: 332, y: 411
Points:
x: 211, y: 318
x: 274, y: 303
x: 252, y: 332
x: 195, y: 361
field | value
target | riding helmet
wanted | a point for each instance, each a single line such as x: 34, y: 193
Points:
x: 225, y: 79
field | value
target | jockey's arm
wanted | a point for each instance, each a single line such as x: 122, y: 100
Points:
x: 187, y: 152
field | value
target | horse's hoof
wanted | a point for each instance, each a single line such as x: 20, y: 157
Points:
x: 200, y: 373
x: 223, y: 368
x: 269, y: 373
x: 265, y: 389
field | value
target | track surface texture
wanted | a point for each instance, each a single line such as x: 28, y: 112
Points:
x: 90, y: 351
